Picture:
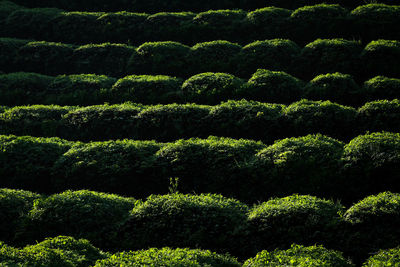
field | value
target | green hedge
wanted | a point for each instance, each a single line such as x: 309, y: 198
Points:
x: 175, y: 59
x: 271, y: 20
x: 299, y: 256
x: 247, y: 170
x: 373, y: 225
x: 389, y: 257
x: 169, y: 257
x: 238, y: 119
x: 24, y: 88
x: 81, y: 214
x: 177, y: 220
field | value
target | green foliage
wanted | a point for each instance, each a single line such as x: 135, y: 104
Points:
x: 108, y: 59
x: 267, y: 15
x: 323, y: 117
x: 22, y: 88
x: 336, y: 87
x: 26, y: 161
x: 215, y: 56
x: 81, y: 252
x: 381, y: 57
x: 177, y: 220
x: 275, y: 54
x: 307, y: 165
x: 373, y: 225
x: 381, y: 87
x: 299, y: 256
x: 14, y: 207
x: 147, y: 89
x: 385, y: 258
x: 169, y: 257
x: 272, y: 87
x: 210, y: 165
x: 328, y: 56
x: 81, y: 214
x: 372, y: 163
x: 6, y: 8
x: 116, y: 166
x: 8, y: 50
x: 168, y: 58
x: 381, y: 115
x: 210, y: 88
x: 303, y: 219
x: 45, y: 57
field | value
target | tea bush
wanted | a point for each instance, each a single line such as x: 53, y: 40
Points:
x: 381, y: 87
x: 382, y: 115
x: 389, y: 257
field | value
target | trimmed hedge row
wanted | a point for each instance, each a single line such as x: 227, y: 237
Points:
x: 22, y: 88
x: 170, y: 58
x: 366, y: 22
x: 205, y: 221
x: 158, y: 6
x: 247, y: 170
x: 236, y: 119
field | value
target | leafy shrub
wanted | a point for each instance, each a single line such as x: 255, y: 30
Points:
x: 323, y: 117
x: 381, y: 57
x: 45, y: 57
x: 381, y: 87
x: 171, y: 122
x: 303, y: 219
x: 373, y: 21
x: 328, y: 56
x: 103, y: 122
x: 80, y: 252
x: 210, y: 165
x: 84, y: 89
x: 26, y: 161
x: 168, y: 58
x: 177, y: 220
x: 147, y: 89
x: 125, y: 167
x: 300, y: 256
x: 14, y: 208
x: 382, y: 115
x: 215, y: 56
x: 275, y: 54
x: 373, y: 225
x: 108, y: 59
x: 22, y: 88
x: 81, y: 214
x: 272, y: 86
x: 6, y: 8
x: 210, y: 88
x: 389, y: 257
x: 306, y: 165
x: 38, y: 120
x: 169, y: 257
x: 371, y: 163
x: 318, y: 21
x: 245, y: 119
x: 337, y: 87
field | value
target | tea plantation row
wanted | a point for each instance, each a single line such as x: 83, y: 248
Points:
x: 205, y: 221
x: 247, y: 170
x: 68, y: 251
x: 206, y: 88
x: 237, y: 119
x: 322, y: 56
x: 367, y: 22
x: 158, y: 5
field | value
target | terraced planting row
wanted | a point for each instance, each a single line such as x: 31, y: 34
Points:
x: 247, y: 170
x: 366, y: 22
x: 205, y: 221
x: 237, y: 119
x: 322, y: 56
x: 162, y: 6
x: 205, y: 88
